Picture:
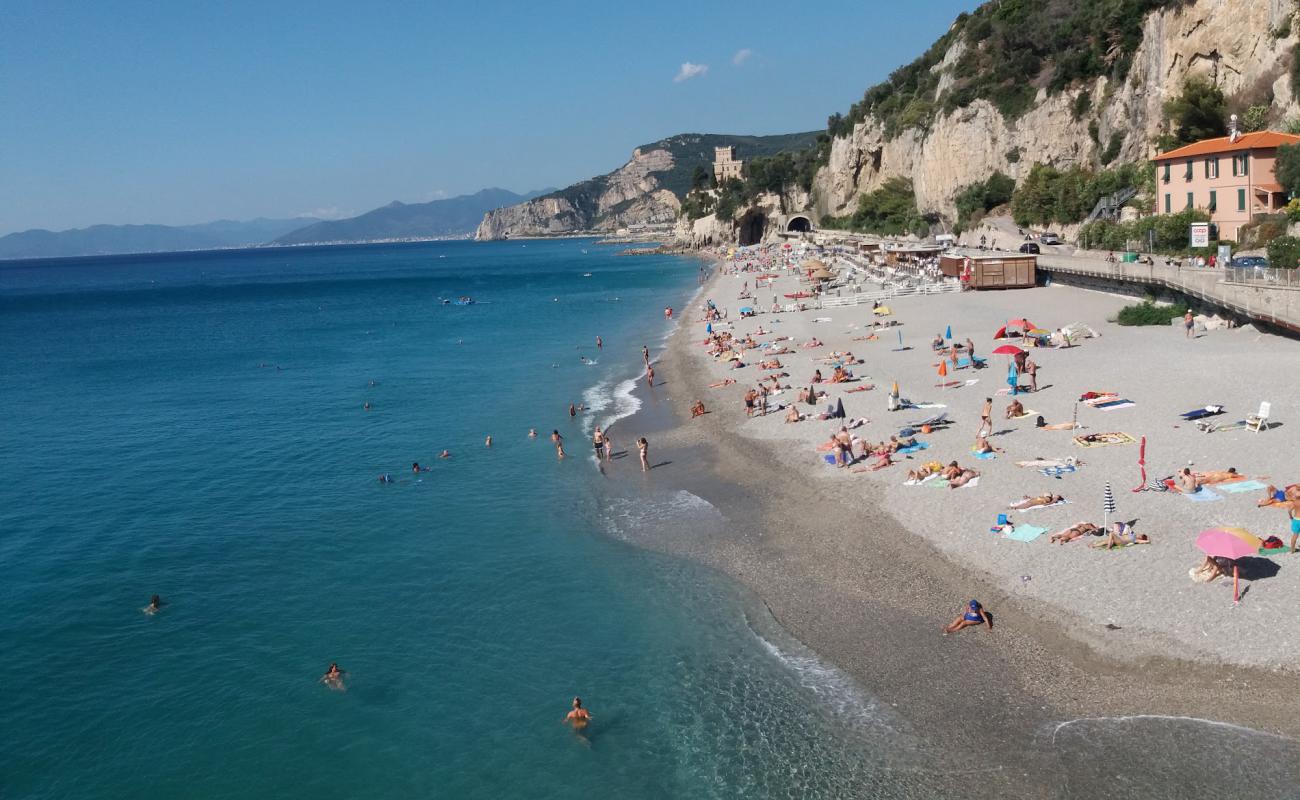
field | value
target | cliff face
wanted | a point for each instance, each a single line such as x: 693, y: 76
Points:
x: 1229, y: 41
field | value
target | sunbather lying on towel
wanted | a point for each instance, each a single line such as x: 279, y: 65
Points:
x: 1121, y: 534
x: 1201, y: 413
x: 1210, y: 569
x: 883, y: 460
x: 813, y: 342
x: 1075, y: 531
x: 924, y: 471
x: 1034, y: 502
x: 958, y: 476
x: 937, y: 342
x: 723, y: 382
x: 1213, y: 476
x: 1274, y: 496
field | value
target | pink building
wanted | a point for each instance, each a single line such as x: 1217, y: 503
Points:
x: 1231, y: 179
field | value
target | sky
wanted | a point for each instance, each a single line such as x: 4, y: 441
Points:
x: 179, y: 113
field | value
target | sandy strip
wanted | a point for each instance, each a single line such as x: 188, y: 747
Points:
x: 865, y: 569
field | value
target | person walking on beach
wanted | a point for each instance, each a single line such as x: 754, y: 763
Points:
x: 650, y: 376
x: 1189, y: 323
x: 986, y: 418
x: 644, y: 447
x: 598, y: 442
x: 645, y: 355
x: 559, y: 443
x: 973, y: 615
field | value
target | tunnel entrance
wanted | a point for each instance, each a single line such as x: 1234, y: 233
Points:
x: 799, y: 225
x: 751, y: 227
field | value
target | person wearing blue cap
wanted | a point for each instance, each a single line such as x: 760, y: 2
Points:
x: 974, y: 615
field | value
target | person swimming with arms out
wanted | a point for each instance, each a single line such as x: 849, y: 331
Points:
x: 333, y: 678
x: 155, y: 605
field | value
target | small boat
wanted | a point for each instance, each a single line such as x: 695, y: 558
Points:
x: 463, y: 301
x: 586, y: 274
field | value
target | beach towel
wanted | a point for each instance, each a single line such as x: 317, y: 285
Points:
x: 1201, y: 413
x: 1028, y: 413
x: 1056, y: 472
x: 924, y: 405
x: 1026, y: 533
x: 916, y: 448
x: 943, y: 483
x: 1035, y: 508
x: 931, y: 478
x: 1104, y: 439
x: 1203, y: 496
x: 1116, y: 404
x: 984, y: 456
x: 1274, y: 551
x: 1242, y: 486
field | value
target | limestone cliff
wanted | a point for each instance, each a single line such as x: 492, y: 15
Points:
x: 1232, y: 42
x: 648, y: 189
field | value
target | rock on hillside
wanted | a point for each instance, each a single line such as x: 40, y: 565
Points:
x: 1229, y: 41
x: 648, y: 189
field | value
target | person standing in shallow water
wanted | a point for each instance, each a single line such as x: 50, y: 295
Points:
x: 599, y: 343
x: 644, y: 447
x: 559, y: 443
x: 645, y: 354
x: 579, y: 717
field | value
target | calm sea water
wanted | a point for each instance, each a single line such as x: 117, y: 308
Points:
x: 194, y: 426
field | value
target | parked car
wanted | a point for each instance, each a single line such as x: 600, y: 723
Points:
x: 1250, y: 261
x: 1050, y: 238
x: 1029, y: 247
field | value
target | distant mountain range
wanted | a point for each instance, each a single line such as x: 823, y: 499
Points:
x: 104, y: 240
x: 453, y: 217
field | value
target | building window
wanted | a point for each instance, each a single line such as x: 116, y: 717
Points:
x: 1166, y: 175
x: 1214, y: 202
x: 1241, y: 165
x: 1167, y: 208
x: 1187, y: 175
x: 1189, y: 200
x: 1241, y: 199
x: 1212, y: 167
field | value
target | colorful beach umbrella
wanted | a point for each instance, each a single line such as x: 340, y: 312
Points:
x: 1232, y: 544
x: 1006, y: 350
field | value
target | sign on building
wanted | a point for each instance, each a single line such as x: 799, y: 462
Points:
x: 1200, y: 234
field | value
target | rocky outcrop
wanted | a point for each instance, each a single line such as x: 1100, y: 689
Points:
x: 1229, y: 41
x: 630, y: 195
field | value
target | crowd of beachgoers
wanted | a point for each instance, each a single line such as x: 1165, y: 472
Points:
x: 1048, y: 430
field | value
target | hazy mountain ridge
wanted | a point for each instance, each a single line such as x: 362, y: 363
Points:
x: 103, y: 240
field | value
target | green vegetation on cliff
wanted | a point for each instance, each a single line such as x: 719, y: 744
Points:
x: 1163, y: 233
x: 1008, y: 48
x: 977, y: 199
x: 1048, y: 195
x: 888, y: 211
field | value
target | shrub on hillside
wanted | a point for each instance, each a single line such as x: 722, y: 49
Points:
x: 1163, y: 233
x: 1048, y: 195
x: 977, y: 199
x: 1284, y: 252
x: 1148, y: 313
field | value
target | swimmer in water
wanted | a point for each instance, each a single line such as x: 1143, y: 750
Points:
x: 385, y: 478
x: 366, y: 407
x: 599, y: 343
x: 559, y: 443
x: 155, y: 605
x: 445, y: 454
x: 579, y: 717
x: 532, y: 433
x: 333, y: 678
x: 488, y: 443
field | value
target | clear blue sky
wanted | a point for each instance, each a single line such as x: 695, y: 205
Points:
x: 181, y: 112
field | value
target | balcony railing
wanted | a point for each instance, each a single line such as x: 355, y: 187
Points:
x: 1261, y: 276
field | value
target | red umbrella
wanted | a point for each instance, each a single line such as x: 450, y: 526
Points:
x: 1023, y: 323
x: 1007, y: 350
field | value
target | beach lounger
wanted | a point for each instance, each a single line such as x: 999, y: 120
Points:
x: 937, y: 419
x: 1112, y: 405
x: 1259, y: 422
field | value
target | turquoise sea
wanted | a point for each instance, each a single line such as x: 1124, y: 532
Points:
x: 194, y: 425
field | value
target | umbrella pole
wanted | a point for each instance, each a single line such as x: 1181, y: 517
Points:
x: 1236, y: 595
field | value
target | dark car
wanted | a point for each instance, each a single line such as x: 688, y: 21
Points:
x: 1030, y: 247
x: 1250, y: 261
x: 1050, y: 238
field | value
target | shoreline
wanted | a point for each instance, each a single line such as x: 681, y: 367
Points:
x: 795, y: 542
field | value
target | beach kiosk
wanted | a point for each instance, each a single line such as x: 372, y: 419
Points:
x: 1001, y: 272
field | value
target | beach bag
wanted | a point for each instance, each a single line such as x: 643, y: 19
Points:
x: 1040, y: 422
x: 1273, y: 543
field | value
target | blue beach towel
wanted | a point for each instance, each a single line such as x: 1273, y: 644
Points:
x: 916, y: 448
x: 1056, y: 472
x: 1242, y: 486
x: 1203, y: 496
x: 1026, y: 533
x: 985, y: 456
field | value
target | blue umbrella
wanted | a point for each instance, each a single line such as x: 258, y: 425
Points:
x: 746, y: 310
x: 947, y: 334
x: 1013, y: 379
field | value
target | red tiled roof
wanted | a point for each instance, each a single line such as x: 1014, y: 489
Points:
x: 1247, y: 141
x: 1268, y: 187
